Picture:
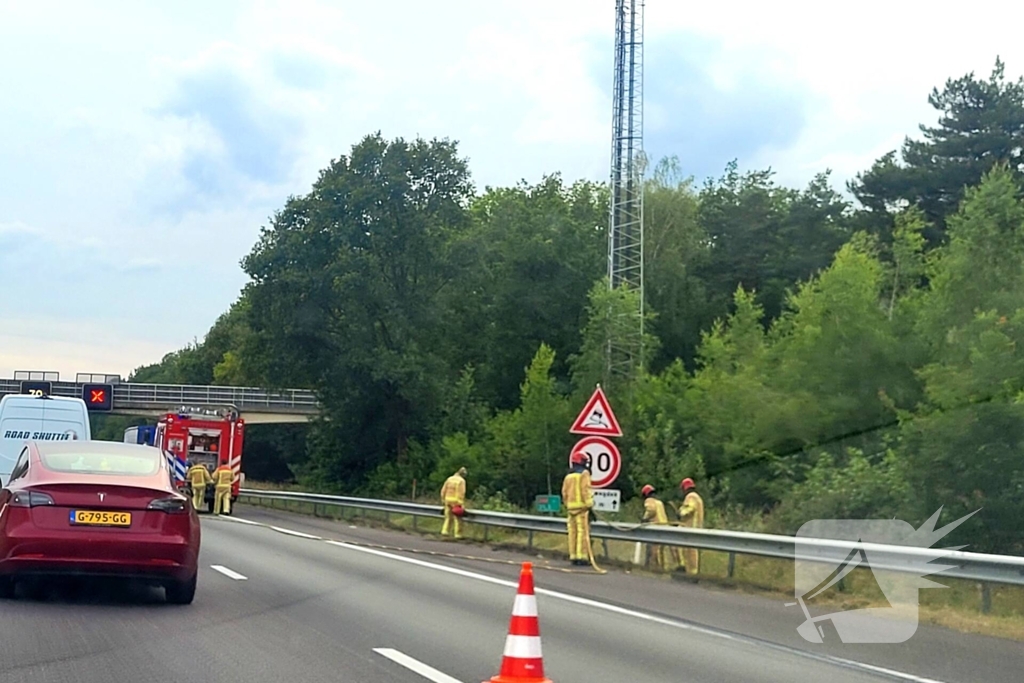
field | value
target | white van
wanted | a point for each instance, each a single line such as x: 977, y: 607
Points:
x: 38, y: 418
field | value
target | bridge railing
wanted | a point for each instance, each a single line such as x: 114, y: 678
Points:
x: 184, y: 394
x: 135, y: 394
x: 1005, y: 569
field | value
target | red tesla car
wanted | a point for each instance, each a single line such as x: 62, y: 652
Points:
x: 97, y: 508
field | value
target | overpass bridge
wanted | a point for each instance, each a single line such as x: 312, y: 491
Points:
x: 255, y: 405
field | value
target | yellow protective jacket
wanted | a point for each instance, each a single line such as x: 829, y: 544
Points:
x: 691, y: 512
x: 654, y: 511
x: 453, y: 492
x: 197, y: 475
x: 223, y: 477
x: 577, y: 493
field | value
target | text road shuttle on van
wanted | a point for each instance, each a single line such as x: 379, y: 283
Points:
x: 38, y: 418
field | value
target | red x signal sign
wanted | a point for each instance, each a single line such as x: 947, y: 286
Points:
x: 98, y: 396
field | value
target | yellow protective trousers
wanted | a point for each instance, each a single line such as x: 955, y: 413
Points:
x: 691, y: 560
x: 578, y: 522
x: 222, y: 500
x: 451, y: 521
x: 198, y: 495
x: 658, y: 556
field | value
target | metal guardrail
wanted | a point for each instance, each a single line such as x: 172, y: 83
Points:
x: 138, y: 395
x: 1006, y: 569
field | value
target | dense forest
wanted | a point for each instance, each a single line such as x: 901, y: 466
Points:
x: 811, y: 353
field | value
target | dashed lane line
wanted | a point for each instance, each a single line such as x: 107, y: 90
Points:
x: 416, y: 666
x: 230, y: 573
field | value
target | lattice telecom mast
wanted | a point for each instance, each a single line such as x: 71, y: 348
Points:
x: 625, y: 229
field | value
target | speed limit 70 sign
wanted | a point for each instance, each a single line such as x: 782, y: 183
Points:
x: 604, y: 458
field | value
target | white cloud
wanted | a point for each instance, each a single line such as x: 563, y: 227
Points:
x: 55, y: 345
x: 151, y: 141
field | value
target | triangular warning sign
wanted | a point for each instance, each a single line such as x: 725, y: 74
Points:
x: 597, y: 417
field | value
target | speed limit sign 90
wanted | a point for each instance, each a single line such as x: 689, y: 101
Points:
x: 605, y: 461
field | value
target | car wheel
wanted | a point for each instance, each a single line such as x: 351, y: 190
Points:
x: 6, y: 587
x: 181, y: 592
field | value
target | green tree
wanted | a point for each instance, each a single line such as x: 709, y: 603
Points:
x: 766, y: 238
x: 535, y: 250
x: 612, y: 317
x: 675, y: 246
x: 529, y: 446
x: 858, y: 487
x: 346, y: 296
x: 981, y: 124
x: 964, y: 443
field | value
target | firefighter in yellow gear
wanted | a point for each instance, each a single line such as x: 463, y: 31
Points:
x: 578, y: 497
x: 453, y: 493
x: 654, y: 513
x: 223, y: 477
x: 198, y: 478
x: 691, y: 514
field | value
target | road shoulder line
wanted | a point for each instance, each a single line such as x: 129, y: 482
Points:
x: 416, y: 666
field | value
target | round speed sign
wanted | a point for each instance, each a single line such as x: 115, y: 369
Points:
x: 605, y: 461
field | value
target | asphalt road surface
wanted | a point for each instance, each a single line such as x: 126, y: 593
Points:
x: 287, y: 598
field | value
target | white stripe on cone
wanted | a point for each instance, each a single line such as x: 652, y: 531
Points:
x: 525, y: 606
x: 522, y: 647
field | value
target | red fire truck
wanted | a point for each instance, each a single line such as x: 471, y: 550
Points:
x: 204, y: 437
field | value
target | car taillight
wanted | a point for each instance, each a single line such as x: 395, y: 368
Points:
x: 30, y: 499
x: 171, y: 505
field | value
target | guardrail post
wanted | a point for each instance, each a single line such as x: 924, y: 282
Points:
x: 415, y: 518
x: 732, y: 565
x: 486, y: 529
x: 529, y: 539
x: 387, y: 517
x: 986, y: 598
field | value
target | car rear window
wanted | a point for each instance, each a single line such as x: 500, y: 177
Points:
x: 83, y: 462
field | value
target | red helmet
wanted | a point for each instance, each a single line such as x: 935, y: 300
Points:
x: 578, y: 458
x: 647, y: 490
x: 687, y: 484
x: 458, y: 510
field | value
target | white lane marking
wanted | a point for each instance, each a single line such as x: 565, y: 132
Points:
x: 296, y: 533
x: 883, y: 670
x: 243, y: 521
x: 416, y: 666
x: 848, y: 663
x: 231, y: 574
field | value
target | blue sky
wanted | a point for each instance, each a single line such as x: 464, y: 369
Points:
x: 144, y: 144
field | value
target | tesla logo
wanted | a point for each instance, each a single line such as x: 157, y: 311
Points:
x: 102, y: 496
x: 98, y: 396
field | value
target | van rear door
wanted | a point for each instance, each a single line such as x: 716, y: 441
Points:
x: 31, y: 418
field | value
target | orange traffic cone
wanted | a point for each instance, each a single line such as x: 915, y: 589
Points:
x: 523, y: 662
